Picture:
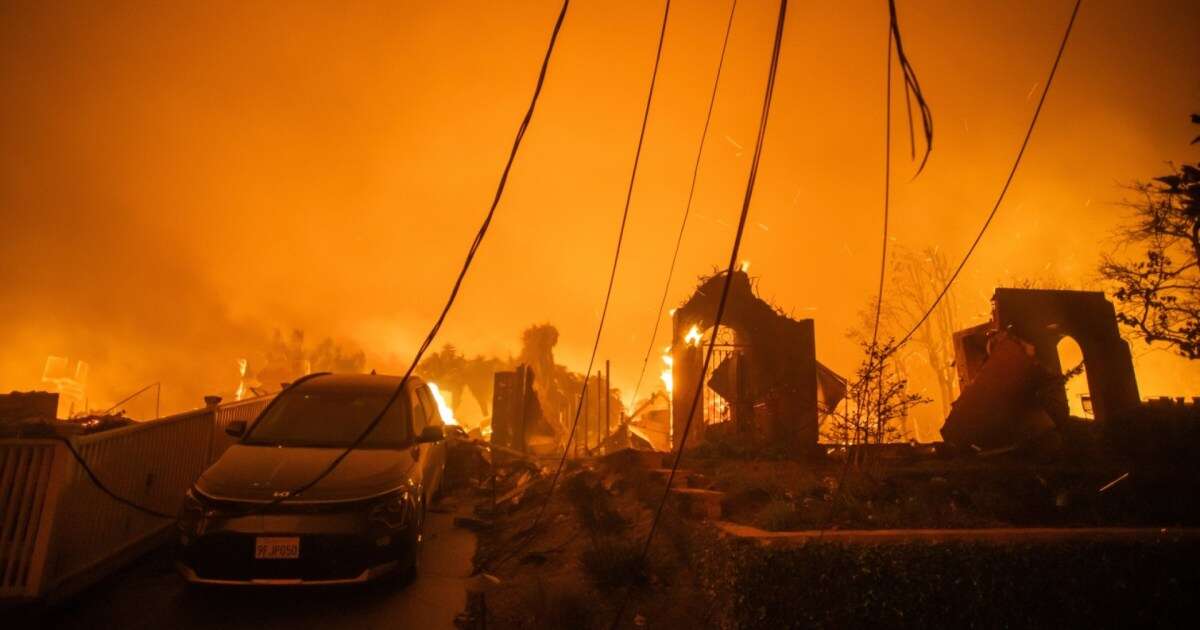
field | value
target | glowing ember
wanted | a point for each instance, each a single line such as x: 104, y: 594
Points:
x: 443, y: 409
x: 693, y: 336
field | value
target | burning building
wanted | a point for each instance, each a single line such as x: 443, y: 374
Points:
x: 764, y: 381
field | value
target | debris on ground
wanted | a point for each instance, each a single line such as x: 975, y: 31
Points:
x: 32, y: 414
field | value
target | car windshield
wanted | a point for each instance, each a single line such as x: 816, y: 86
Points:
x: 331, y: 419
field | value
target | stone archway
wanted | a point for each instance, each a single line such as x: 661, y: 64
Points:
x: 1042, y: 318
x: 1070, y: 357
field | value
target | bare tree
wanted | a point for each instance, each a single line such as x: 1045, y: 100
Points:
x: 1158, y: 290
x: 916, y: 278
x: 878, y: 400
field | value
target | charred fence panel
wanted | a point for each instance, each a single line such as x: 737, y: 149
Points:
x: 25, y: 473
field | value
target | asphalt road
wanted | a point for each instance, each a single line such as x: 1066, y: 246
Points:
x: 149, y: 594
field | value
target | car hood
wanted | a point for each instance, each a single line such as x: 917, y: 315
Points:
x: 257, y: 473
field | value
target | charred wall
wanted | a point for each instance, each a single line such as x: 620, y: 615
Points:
x: 779, y: 369
x: 1009, y: 368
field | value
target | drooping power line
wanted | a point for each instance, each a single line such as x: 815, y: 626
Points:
x: 608, y: 292
x: 733, y: 260
x: 1007, y: 182
x: 472, y: 250
x: 712, y: 100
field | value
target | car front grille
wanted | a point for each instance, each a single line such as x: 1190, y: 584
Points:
x: 236, y: 508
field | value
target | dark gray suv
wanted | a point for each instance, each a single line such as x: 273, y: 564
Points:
x: 240, y: 524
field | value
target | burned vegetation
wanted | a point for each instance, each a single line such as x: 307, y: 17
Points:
x: 811, y: 513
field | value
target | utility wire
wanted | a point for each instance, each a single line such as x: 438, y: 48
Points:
x: 1004, y: 189
x: 862, y: 397
x: 474, y: 248
x: 479, y: 236
x: 104, y: 488
x: 912, y: 90
x: 607, y: 295
x: 733, y: 258
x: 712, y: 101
x: 1000, y: 198
x: 887, y: 183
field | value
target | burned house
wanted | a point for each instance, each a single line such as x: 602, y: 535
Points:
x: 518, y: 422
x: 1012, y: 382
x: 764, y: 381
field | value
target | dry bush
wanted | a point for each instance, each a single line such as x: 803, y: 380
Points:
x: 593, y: 505
x: 779, y: 516
x: 560, y: 606
x: 615, y: 562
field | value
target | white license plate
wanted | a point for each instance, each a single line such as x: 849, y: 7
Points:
x: 276, y: 547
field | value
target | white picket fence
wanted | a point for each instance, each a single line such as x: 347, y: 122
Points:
x: 59, y: 532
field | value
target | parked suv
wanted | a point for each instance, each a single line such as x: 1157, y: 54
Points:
x: 241, y: 524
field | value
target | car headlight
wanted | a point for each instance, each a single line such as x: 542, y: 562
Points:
x: 394, y: 510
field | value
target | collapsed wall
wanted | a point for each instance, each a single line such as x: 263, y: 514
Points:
x: 1010, y: 374
x: 771, y: 380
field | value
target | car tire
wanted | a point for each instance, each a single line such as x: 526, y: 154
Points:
x: 414, y: 567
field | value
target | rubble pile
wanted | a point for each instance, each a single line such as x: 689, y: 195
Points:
x: 27, y: 414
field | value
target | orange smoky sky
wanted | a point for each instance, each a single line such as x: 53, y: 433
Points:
x: 179, y: 180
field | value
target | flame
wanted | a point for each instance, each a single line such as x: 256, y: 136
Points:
x: 745, y: 266
x: 721, y: 407
x: 241, y: 388
x: 693, y: 336
x: 668, y: 375
x: 443, y: 409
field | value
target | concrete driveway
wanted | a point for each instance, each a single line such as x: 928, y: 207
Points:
x: 149, y: 594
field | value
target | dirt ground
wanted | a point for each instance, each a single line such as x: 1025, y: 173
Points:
x: 580, y: 568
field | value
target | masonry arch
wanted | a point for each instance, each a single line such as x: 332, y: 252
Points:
x: 1074, y: 369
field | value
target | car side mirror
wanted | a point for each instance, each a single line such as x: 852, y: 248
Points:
x: 430, y: 434
x: 237, y: 428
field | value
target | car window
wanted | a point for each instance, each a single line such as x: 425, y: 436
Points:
x: 331, y: 419
x: 435, y: 415
x: 420, y: 417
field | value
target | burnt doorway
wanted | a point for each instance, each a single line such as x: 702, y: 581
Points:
x: 726, y: 400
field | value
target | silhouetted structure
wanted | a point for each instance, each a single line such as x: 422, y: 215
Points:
x: 1009, y: 367
x: 516, y: 413
x: 767, y: 375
